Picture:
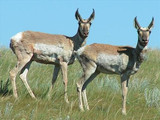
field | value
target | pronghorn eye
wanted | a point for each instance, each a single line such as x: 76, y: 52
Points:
x: 149, y: 32
x: 90, y: 23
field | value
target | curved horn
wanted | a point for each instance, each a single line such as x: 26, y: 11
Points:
x: 78, y: 16
x: 151, y: 24
x: 136, y: 24
x: 92, y: 16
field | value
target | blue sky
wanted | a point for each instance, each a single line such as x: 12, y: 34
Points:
x: 113, y: 23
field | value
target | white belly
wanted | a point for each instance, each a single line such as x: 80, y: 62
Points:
x: 51, y: 53
x: 112, y: 63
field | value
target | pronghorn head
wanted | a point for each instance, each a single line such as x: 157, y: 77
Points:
x: 143, y: 33
x: 84, y: 24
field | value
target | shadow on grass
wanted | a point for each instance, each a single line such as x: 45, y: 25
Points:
x: 4, y: 88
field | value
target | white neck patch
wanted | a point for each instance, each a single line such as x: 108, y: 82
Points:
x: 141, y: 47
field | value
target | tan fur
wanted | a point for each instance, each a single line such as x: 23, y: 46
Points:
x: 122, y: 60
x: 46, y: 48
x: 92, y: 51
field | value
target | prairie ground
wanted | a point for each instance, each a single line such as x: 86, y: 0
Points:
x: 104, y: 93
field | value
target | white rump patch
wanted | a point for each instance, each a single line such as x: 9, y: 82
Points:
x: 17, y: 37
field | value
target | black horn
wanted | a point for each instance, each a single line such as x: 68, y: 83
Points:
x: 151, y: 24
x: 136, y: 24
x: 78, y: 16
x: 92, y: 16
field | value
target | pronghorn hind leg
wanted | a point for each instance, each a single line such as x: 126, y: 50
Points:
x: 124, y: 83
x: 13, y: 73
x: 64, y: 67
x: 23, y: 76
x: 55, y: 75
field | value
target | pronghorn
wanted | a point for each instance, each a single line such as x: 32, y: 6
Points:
x: 45, y: 48
x: 102, y: 58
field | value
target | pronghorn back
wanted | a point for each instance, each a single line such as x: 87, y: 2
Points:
x: 115, y: 58
x: 45, y: 47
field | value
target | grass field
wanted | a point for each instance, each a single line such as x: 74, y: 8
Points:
x: 104, y: 93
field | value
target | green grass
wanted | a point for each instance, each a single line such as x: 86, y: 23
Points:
x: 104, y: 93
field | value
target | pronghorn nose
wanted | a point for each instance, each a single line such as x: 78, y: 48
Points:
x: 86, y: 33
x: 144, y: 40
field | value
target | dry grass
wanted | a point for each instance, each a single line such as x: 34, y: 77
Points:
x: 104, y: 93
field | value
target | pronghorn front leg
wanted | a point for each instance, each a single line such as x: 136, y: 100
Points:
x: 90, y: 73
x: 84, y: 88
x: 124, y: 83
x: 79, y: 90
x: 64, y: 67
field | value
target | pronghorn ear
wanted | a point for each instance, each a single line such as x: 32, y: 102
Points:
x: 77, y: 15
x: 136, y: 24
x: 92, y: 16
x: 151, y: 24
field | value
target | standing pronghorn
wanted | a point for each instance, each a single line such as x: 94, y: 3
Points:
x: 45, y: 48
x: 122, y: 60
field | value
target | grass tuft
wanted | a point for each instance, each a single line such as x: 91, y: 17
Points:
x: 152, y: 97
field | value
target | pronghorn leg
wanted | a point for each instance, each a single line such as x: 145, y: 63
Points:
x: 64, y: 67
x: 84, y: 89
x: 84, y: 96
x: 23, y: 76
x: 79, y: 90
x: 89, y: 69
x: 55, y: 75
x: 13, y: 73
x: 124, y: 83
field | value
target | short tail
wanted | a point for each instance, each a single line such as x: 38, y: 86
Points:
x: 11, y: 46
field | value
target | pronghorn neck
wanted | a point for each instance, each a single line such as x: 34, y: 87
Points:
x: 79, y: 40
x: 140, y: 51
